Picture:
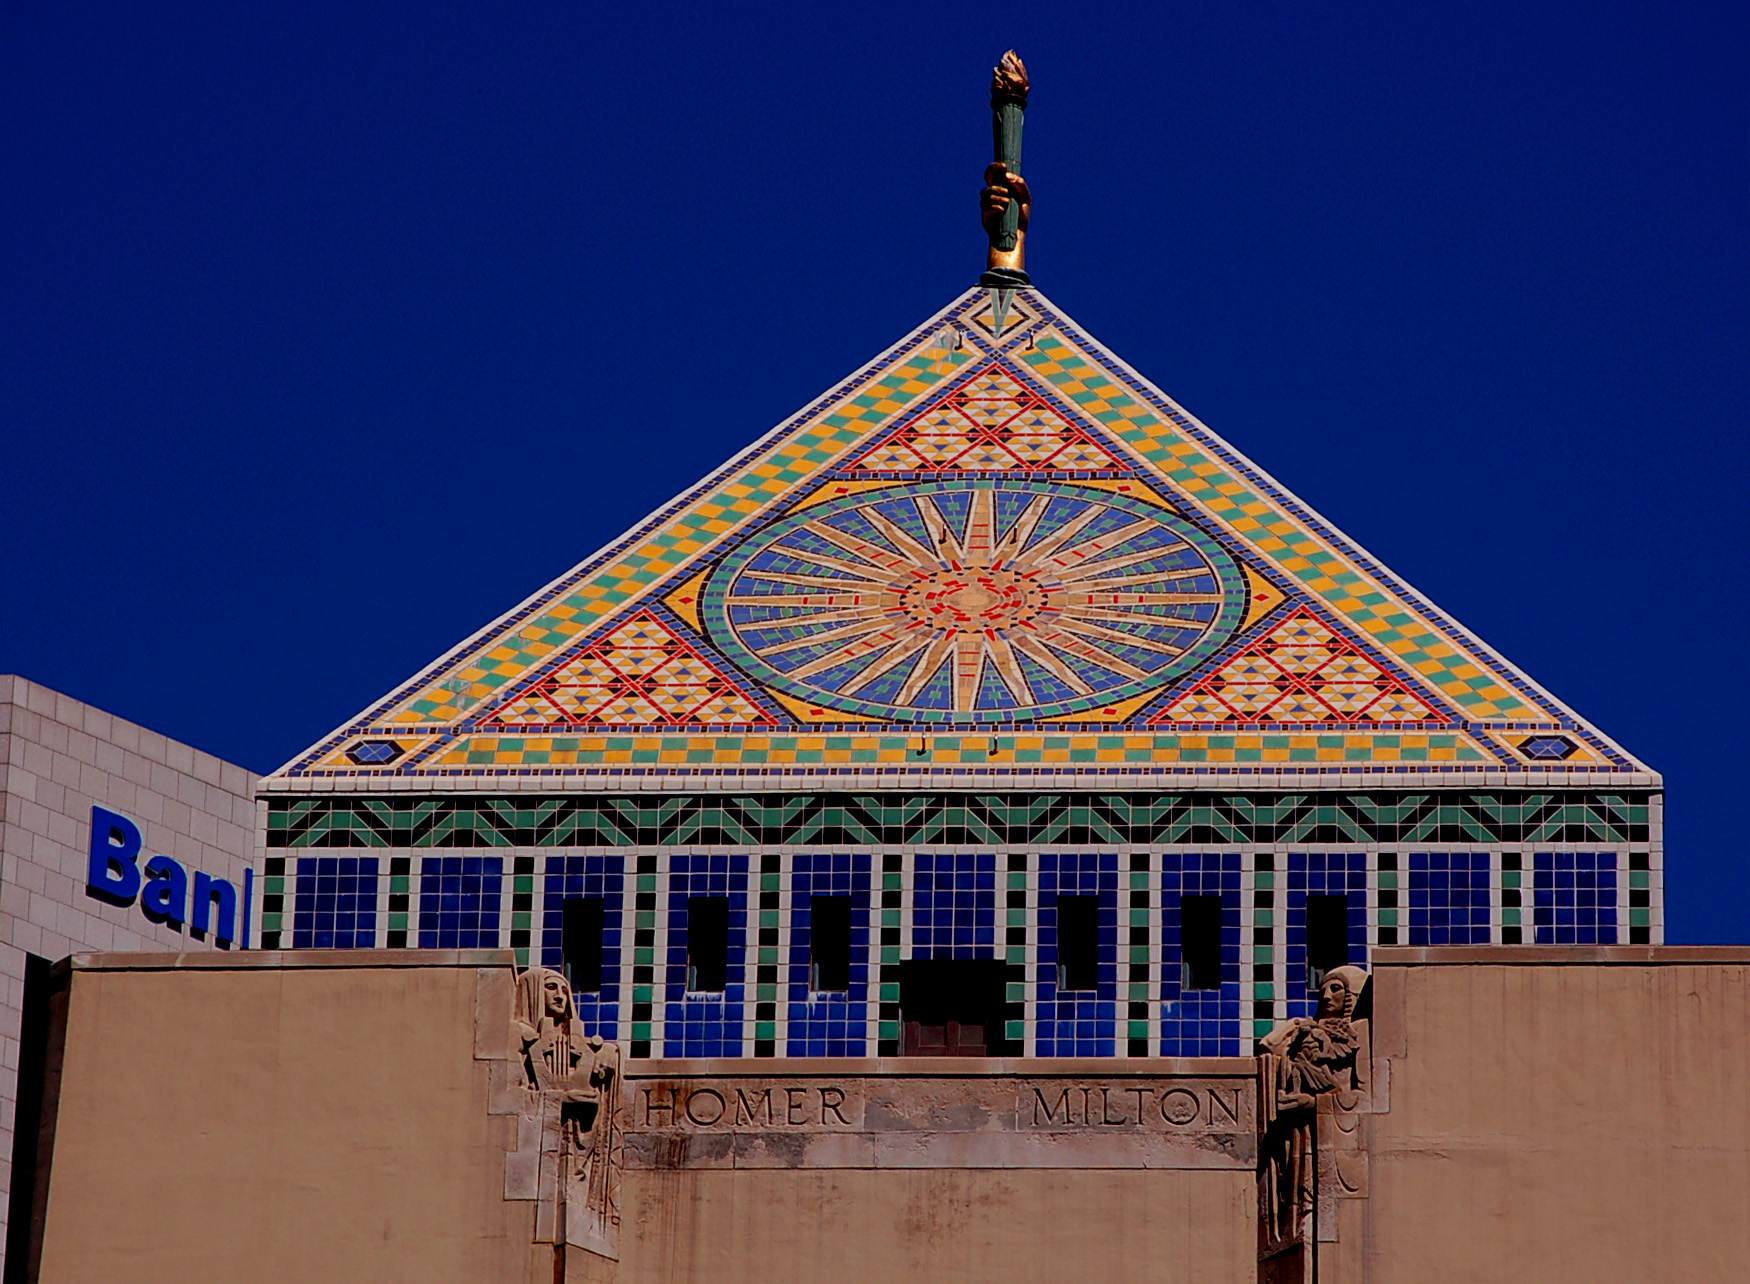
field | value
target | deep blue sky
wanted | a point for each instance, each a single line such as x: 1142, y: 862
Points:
x: 327, y: 333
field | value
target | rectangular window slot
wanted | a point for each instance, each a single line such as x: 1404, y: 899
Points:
x: 829, y: 942
x: 1200, y: 941
x: 953, y: 1008
x: 1078, y: 942
x: 1327, y: 936
x: 707, y: 943
x: 581, y: 942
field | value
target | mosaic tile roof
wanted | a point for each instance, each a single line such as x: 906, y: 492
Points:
x: 995, y: 551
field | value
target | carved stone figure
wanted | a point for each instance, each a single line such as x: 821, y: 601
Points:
x: 544, y: 1018
x: 1297, y: 1063
x: 594, y: 1135
x: 583, y: 1073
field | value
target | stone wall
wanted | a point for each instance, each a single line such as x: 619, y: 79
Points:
x: 1556, y: 1114
x: 991, y: 1226
x: 1011, y: 1172
x: 319, y: 1115
x: 261, y: 1116
x: 1532, y: 1114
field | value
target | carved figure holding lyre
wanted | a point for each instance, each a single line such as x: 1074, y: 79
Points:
x: 584, y: 1074
x: 597, y: 1085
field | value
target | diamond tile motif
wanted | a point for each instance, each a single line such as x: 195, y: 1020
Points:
x: 1301, y: 671
x: 990, y: 624
x: 843, y: 575
x: 992, y: 423
x: 640, y: 674
x: 1547, y: 748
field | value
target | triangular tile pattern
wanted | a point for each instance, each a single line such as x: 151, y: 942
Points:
x: 556, y: 686
x: 641, y: 674
x: 1301, y: 671
x: 1007, y: 304
x: 992, y: 423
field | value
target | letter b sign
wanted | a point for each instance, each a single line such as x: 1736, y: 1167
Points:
x: 114, y: 873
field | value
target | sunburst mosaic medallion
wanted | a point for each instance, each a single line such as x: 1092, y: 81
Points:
x: 974, y: 601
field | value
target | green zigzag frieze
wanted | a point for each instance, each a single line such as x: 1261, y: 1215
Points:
x: 1532, y: 818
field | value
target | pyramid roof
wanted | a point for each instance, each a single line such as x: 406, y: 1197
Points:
x: 995, y: 555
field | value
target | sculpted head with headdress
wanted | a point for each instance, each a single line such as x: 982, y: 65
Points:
x: 543, y: 999
x: 1340, y: 992
x: 545, y: 1015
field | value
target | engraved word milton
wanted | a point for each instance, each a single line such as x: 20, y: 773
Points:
x: 1133, y: 1105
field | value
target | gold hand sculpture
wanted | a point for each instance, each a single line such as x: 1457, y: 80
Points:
x: 1001, y: 189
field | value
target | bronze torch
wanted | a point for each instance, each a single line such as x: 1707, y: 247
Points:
x: 1005, y: 201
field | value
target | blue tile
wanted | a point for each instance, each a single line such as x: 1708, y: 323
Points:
x: 458, y: 912
x: 1321, y: 874
x: 334, y: 902
x: 696, y: 1022
x: 1574, y: 898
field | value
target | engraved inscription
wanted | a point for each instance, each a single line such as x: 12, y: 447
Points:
x: 691, y: 1104
x: 1171, y: 1107
x: 919, y: 1121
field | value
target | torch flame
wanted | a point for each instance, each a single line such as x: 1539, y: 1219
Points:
x: 1008, y: 78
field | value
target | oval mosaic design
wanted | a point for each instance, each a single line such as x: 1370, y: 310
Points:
x: 974, y: 601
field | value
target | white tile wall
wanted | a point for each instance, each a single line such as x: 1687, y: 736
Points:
x: 58, y: 758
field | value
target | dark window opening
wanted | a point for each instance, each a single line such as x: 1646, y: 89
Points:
x: 1327, y: 936
x: 1200, y: 941
x: 1078, y: 942
x: 707, y: 943
x: 581, y: 929
x: 829, y: 942
x: 33, y: 1053
x: 952, y: 1007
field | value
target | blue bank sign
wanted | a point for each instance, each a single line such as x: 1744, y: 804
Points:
x: 162, y: 884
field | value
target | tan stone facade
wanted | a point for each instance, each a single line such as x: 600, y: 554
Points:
x: 1548, y: 1115
x: 1572, y: 1114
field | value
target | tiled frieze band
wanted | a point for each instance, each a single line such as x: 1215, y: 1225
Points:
x: 1018, y: 819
